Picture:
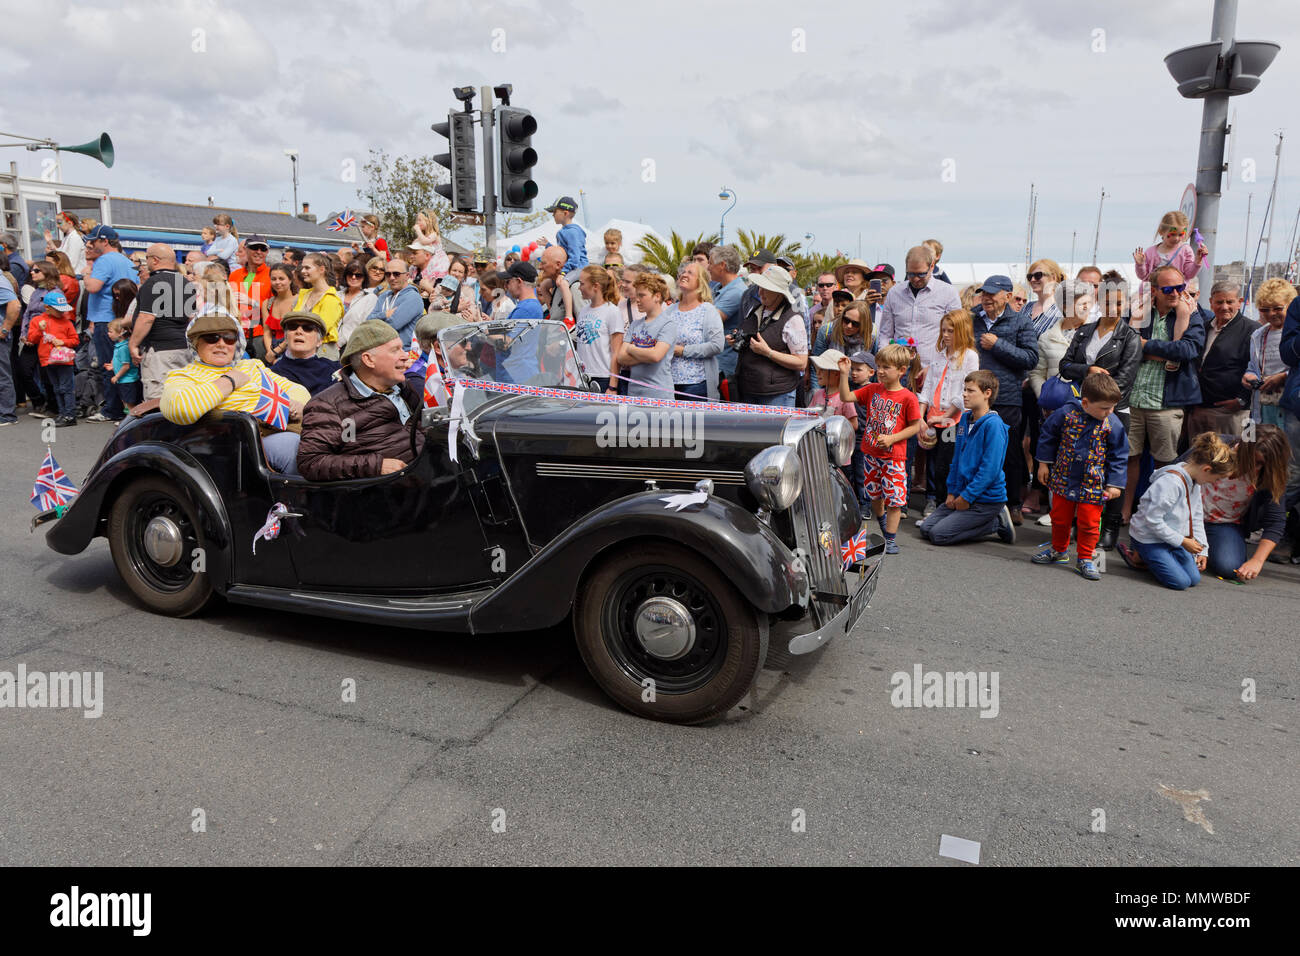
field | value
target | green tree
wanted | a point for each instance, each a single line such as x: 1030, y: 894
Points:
x: 750, y: 242
x: 810, y: 267
x: 666, y: 257
x: 396, y: 190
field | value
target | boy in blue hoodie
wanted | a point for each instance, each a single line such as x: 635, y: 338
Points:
x: 1088, y: 449
x: 571, y: 237
x: 977, y: 491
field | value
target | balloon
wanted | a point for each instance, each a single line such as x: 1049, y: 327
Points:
x: 514, y: 248
x: 532, y: 247
x: 524, y: 255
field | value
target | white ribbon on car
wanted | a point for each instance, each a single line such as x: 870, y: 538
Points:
x: 457, y: 415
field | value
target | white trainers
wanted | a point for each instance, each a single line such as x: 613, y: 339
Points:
x: 98, y: 417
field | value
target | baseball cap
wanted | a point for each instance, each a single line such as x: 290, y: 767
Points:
x: 256, y: 242
x: 56, y: 300
x: 882, y: 271
x: 996, y: 284
x: 762, y: 257
x: 842, y: 295
x: 863, y: 357
x: 519, y: 270
x: 785, y: 262
x: 102, y: 232
x: 564, y: 202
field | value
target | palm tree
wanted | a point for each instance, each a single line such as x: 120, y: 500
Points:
x: 808, y: 268
x: 667, y: 257
x: 750, y: 242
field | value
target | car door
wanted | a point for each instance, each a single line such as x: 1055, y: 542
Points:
x: 416, y: 530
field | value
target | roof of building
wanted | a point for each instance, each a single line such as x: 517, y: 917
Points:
x: 152, y: 215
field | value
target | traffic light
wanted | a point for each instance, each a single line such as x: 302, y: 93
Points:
x: 516, y: 189
x: 462, y: 191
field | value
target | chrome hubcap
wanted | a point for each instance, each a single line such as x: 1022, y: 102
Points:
x: 162, y: 541
x: 665, y: 628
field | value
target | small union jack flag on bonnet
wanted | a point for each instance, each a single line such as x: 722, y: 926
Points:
x: 53, y: 488
x: 855, y: 549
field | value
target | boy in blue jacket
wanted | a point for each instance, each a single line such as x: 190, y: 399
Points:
x: 1088, y: 449
x: 571, y: 237
x: 977, y: 492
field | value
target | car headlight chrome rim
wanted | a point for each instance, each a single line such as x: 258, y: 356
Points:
x: 839, y: 439
x: 774, y: 477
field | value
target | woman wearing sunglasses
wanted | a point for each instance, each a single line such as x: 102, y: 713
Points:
x: 219, y: 380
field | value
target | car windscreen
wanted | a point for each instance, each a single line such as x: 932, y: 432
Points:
x: 531, y: 352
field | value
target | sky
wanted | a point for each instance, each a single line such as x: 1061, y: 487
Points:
x: 869, y: 125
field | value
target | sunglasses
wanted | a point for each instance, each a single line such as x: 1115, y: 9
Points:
x: 917, y: 275
x: 212, y: 338
x: 1171, y: 289
x: 1034, y: 276
x: 397, y: 273
x: 852, y: 322
x: 298, y: 325
x: 825, y: 285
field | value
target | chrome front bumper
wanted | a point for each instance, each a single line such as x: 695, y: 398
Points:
x: 868, y: 576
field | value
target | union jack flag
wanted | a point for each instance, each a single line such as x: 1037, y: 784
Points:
x: 53, y: 487
x: 435, y: 389
x: 344, y: 221
x: 855, y: 549
x: 272, y: 404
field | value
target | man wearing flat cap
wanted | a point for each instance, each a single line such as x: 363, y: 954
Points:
x: 382, y: 407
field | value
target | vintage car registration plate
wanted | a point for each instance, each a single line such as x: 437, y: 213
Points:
x: 862, y: 597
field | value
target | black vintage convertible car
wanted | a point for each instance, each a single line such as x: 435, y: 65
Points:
x: 680, y: 541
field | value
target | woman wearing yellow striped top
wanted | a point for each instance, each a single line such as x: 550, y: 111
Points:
x: 319, y: 295
x: 217, y: 380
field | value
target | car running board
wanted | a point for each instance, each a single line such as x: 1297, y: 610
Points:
x: 436, y: 612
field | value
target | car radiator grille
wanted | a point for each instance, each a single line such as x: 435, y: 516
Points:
x: 814, y: 516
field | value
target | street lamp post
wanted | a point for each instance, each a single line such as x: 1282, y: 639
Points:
x: 293, y: 158
x: 811, y: 237
x: 1215, y: 71
x: 727, y: 191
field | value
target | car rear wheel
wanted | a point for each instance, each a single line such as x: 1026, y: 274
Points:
x: 667, y: 636
x: 154, y: 534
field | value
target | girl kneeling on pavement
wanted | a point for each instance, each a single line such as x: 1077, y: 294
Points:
x: 1168, y: 528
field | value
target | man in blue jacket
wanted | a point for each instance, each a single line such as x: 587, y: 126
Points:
x: 977, y: 491
x: 1007, y: 347
x: 1168, y: 377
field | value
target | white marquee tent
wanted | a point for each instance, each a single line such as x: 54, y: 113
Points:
x: 633, y: 232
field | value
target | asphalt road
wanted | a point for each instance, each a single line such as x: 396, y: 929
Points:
x: 1106, y: 691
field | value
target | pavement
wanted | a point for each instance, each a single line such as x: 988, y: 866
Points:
x: 226, y: 740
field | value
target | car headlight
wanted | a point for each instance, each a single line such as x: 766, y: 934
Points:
x: 839, y: 439
x: 774, y: 478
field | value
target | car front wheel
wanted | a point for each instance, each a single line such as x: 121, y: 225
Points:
x: 157, y: 546
x: 666, y: 635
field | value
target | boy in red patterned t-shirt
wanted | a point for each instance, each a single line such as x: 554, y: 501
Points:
x: 893, y: 416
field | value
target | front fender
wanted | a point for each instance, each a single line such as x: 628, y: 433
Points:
x: 88, y: 514
x: 744, y: 549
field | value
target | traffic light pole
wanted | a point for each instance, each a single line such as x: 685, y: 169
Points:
x: 489, y: 170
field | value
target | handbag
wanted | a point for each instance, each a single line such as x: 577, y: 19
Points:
x: 61, y: 355
x: 1056, y: 392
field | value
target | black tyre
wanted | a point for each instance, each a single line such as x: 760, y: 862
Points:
x: 153, y: 533
x: 661, y: 613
